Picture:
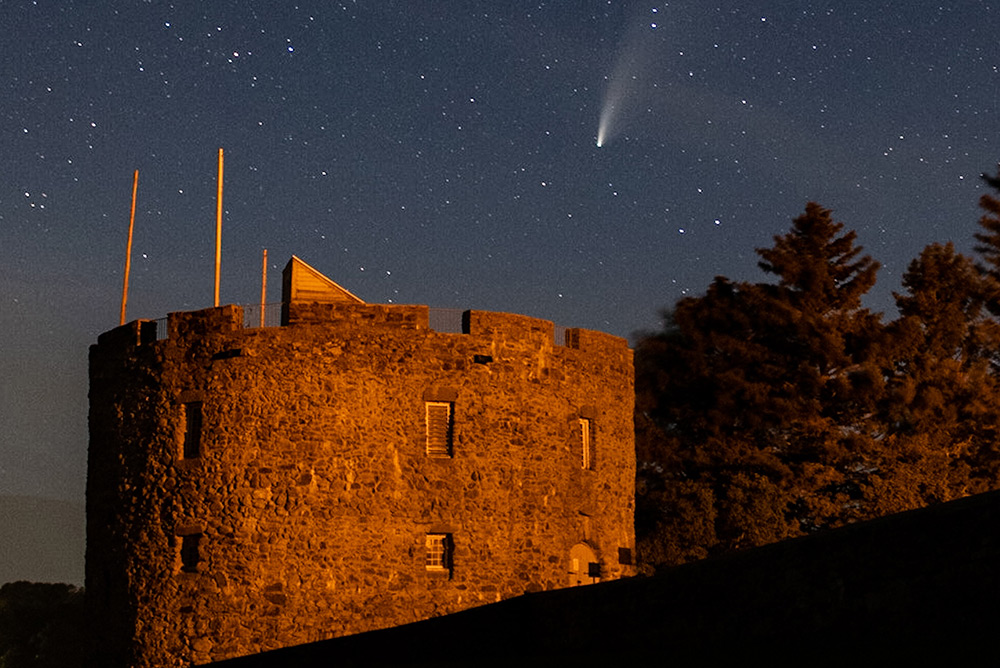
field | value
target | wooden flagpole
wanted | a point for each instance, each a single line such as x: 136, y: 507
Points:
x: 128, y: 248
x: 218, y: 229
x: 263, y: 287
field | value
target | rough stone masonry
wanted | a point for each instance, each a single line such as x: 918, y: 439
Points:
x: 352, y: 469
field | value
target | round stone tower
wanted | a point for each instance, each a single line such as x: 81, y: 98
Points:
x: 357, y: 467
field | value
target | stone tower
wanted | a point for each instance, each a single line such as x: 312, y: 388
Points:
x: 354, y: 468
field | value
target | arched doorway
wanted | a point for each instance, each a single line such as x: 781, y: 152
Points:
x: 583, y: 565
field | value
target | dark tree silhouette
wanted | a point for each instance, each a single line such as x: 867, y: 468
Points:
x: 766, y: 410
x: 989, y: 238
x: 41, y: 625
x: 819, y: 265
x: 940, y: 413
x: 754, y: 400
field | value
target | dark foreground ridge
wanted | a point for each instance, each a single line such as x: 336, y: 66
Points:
x: 911, y: 586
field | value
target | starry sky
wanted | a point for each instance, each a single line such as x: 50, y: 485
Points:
x: 445, y: 153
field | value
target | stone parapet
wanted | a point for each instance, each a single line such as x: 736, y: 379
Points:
x: 346, y: 314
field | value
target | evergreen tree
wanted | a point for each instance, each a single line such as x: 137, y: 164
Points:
x: 757, y: 396
x: 939, y: 415
x: 819, y: 265
x: 989, y: 238
x: 766, y: 410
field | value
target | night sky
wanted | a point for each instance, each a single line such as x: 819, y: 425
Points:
x: 445, y: 153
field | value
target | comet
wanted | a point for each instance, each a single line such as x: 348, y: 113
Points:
x: 613, y: 98
x: 607, y: 116
x: 624, y: 89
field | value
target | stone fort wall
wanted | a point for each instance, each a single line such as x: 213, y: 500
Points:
x: 253, y: 488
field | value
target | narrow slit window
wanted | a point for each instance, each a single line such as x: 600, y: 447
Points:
x: 192, y: 430
x: 439, y: 552
x: 190, y: 556
x: 587, y: 443
x: 440, y: 427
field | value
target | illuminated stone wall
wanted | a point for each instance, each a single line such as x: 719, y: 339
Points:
x: 305, y: 512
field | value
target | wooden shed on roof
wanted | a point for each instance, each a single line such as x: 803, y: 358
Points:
x: 303, y: 284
